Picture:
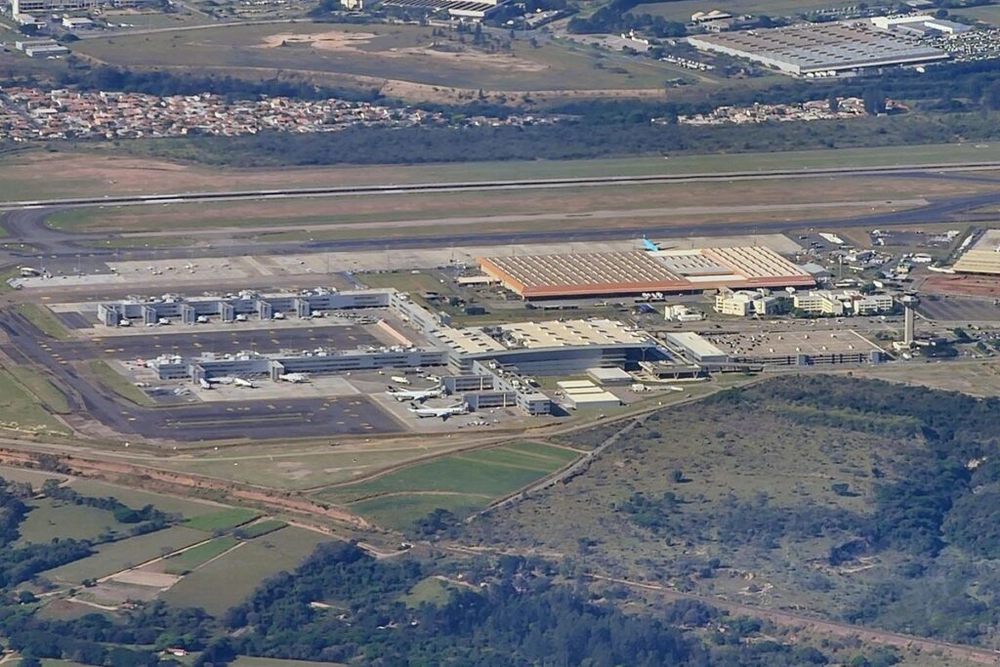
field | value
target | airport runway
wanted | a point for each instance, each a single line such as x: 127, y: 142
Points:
x: 191, y: 341
x: 82, y: 252
x: 222, y: 420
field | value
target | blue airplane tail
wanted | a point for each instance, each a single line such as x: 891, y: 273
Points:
x: 649, y: 244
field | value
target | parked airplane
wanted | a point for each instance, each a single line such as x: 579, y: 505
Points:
x: 204, y: 383
x: 414, y: 394
x: 443, y: 413
x: 294, y: 378
x: 240, y: 382
x: 649, y: 245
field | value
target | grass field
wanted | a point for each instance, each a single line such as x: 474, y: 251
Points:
x: 34, y: 477
x: 43, y: 320
x: 111, y: 558
x: 308, y: 467
x: 43, y: 390
x: 119, y: 384
x: 21, y: 409
x: 138, y: 498
x: 243, y: 570
x: 988, y: 13
x: 404, y: 281
x: 193, y: 558
x: 461, y: 483
x: 222, y: 520
x: 51, y: 519
x: 431, y: 590
x: 394, y: 52
x: 261, y: 528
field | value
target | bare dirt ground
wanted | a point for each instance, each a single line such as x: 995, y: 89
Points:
x: 962, y: 285
x: 350, y: 42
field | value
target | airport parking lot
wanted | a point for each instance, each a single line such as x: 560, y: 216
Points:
x: 958, y: 309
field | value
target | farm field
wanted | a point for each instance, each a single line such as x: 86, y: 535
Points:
x: 683, y: 9
x: 28, y: 176
x: 111, y: 558
x: 260, y: 528
x: 193, y: 558
x: 461, y: 483
x: 222, y: 519
x: 375, y: 53
x: 228, y: 580
x: 54, y: 519
x: 987, y: 13
x: 598, y: 206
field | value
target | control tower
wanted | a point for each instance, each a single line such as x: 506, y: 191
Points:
x: 909, y: 306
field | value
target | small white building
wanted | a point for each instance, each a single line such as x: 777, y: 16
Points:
x: 72, y: 23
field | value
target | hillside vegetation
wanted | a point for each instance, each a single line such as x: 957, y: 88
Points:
x: 853, y: 500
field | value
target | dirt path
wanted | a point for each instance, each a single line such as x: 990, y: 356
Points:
x: 907, y: 642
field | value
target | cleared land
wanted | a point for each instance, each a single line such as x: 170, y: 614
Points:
x: 29, y: 176
x: 376, y: 53
x: 243, y: 569
x: 619, y: 206
x: 461, y: 483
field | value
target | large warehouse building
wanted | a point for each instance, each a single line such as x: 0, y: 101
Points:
x: 983, y: 256
x: 820, y: 48
x: 625, y: 273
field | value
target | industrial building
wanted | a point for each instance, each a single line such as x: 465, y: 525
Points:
x: 578, y: 394
x: 657, y: 271
x: 825, y: 48
x: 797, y: 348
x: 983, y: 257
x: 697, y: 348
x: 848, y: 302
x: 463, y: 9
x: 920, y: 26
x: 744, y: 303
x: 18, y: 7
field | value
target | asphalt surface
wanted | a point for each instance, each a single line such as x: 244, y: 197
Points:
x: 223, y: 420
x: 193, y: 341
x: 82, y: 253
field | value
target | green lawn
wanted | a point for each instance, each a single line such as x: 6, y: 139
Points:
x: 120, y: 384
x: 44, y: 320
x: 20, y: 409
x: 461, y: 483
x: 50, y: 519
x: 223, y: 519
x: 43, y: 390
x: 260, y: 528
x: 230, y: 579
x: 193, y: 558
x: 432, y: 590
x: 111, y: 558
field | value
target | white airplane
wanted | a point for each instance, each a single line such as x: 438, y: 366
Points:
x: 442, y: 413
x: 204, y: 383
x: 294, y: 378
x: 240, y: 382
x: 414, y: 394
